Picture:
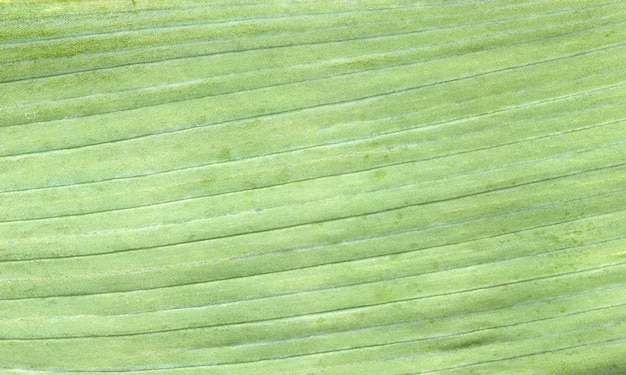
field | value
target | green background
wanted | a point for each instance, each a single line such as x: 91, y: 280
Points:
x: 312, y: 187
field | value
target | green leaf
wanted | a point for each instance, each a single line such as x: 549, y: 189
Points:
x: 312, y: 187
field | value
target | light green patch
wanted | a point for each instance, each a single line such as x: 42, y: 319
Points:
x: 331, y: 187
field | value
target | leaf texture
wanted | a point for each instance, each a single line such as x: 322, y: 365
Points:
x: 299, y: 187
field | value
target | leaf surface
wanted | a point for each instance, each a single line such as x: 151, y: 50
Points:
x: 330, y: 187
